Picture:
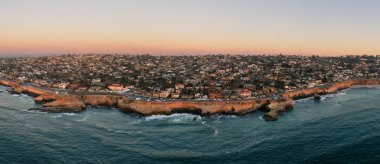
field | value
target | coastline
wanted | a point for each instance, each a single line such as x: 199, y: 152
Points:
x: 69, y: 103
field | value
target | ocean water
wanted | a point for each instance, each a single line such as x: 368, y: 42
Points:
x: 343, y: 127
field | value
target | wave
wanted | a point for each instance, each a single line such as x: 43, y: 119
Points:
x: 333, y: 95
x: 69, y: 114
x: 176, y: 117
x: 84, y: 118
x: 225, y: 116
x: 8, y: 108
x: 216, y: 131
x: 57, y: 116
x: 324, y: 97
x: 304, y: 99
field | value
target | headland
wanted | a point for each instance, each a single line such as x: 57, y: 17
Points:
x: 72, y: 103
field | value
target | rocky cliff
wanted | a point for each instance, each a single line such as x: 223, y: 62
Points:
x: 9, y: 83
x: 332, y: 88
x: 276, y: 107
x: 73, y: 103
x: 67, y: 102
x: 101, y: 100
x: 197, y: 107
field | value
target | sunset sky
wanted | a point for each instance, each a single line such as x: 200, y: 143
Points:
x: 176, y: 27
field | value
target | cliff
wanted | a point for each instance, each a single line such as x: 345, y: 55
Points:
x: 29, y: 90
x: 332, y: 88
x: 73, y: 103
x: 101, y: 100
x: 204, y: 108
x: 9, y: 83
x: 69, y: 102
x: 47, y: 97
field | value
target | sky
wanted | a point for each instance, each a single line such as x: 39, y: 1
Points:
x: 190, y: 27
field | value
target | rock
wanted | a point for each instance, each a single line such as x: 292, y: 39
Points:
x: 276, y: 107
x: 67, y: 102
x: 9, y: 83
x: 317, y: 97
x: 270, y: 117
x: 16, y: 90
x: 57, y: 110
x: 47, y: 97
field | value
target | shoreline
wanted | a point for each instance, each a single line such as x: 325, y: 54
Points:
x: 69, y: 103
x: 365, y: 86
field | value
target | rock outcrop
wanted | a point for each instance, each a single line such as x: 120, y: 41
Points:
x: 276, y: 107
x: 9, y: 83
x: 67, y: 102
x: 47, y: 97
x: 317, y: 97
x: 328, y: 89
x: 57, y: 110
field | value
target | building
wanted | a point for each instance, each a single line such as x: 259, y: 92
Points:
x: 115, y: 87
x: 164, y: 94
x: 179, y: 86
x: 245, y: 93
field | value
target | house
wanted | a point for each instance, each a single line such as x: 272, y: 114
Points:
x: 82, y: 88
x: 198, y: 95
x: 311, y: 85
x: 115, y: 87
x: 129, y: 87
x: 175, y: 95
x: 179, y: 86
x: 164, y: 94
x: 95, y: 81
x: 156, y: 94
x: 214, y: 95
x: 94, y: 88
x: 245, y: 93
x: 63, y: 85
x: 22, y: 78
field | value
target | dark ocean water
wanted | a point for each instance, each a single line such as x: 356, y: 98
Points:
x: 343, y: 127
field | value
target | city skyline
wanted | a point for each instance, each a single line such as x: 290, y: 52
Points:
x: 182, y: 27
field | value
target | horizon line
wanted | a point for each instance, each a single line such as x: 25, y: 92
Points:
x: 180, y: 54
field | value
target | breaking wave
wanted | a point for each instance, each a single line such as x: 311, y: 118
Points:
x: 176, y: 117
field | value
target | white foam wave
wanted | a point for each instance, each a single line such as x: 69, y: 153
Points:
x: 303, y: 100
x: 216, y: 131
x: 104, y: 127
x: 226, y: 116
x: 57, y: 116
x: 69, y: 114
x: 83, y: 119
x: 333, y: 95
x: 176, y: 117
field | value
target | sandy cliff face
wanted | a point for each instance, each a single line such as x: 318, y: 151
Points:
x: 202, y: 108
x: 101, y: 100
x: 72, y: 102
x: 9, y: 83
x: 46, y: 97
x: 329, y: 88
x: 32, y: 91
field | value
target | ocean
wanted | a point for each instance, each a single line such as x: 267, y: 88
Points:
x: 342, y: 128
